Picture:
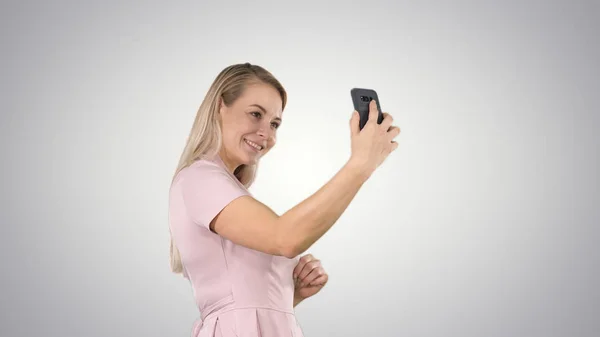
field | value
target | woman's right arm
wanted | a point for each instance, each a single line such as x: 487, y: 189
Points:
x: 248, y: 222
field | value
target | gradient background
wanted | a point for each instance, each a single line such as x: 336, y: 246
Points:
x: 484, y: 222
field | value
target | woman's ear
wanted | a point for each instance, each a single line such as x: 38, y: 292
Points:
x: 221, y: 105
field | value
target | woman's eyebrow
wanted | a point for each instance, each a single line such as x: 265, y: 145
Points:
x: 265, y: 111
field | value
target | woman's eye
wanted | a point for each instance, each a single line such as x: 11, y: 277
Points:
x: 275, y: 125
x: 256, y: 114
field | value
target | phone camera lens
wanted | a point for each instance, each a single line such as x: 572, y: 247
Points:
x: 365, y: 99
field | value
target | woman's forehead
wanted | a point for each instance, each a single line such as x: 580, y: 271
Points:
x: 263, y: 97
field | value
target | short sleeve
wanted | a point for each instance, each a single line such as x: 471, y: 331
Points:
x: 206, y: 189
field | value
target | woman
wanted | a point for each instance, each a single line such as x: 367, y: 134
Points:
x: 240, y: 257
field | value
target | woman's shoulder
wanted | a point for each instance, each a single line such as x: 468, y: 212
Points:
x: 201, y: 168
x: 206, y: 171
x: 200, y: 165
x: 207, y: 179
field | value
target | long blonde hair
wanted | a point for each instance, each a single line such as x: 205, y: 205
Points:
x: 205, y: 137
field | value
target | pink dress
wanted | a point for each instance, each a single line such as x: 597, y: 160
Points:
x: 240, y: 292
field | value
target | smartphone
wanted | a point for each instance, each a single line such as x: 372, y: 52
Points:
x: 361, y: 98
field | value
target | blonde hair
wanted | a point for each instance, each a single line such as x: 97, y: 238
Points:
x: 205, y: 137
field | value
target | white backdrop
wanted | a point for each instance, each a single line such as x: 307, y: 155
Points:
x: 484, y: 222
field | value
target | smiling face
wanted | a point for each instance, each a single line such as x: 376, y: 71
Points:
x: 249, y: 125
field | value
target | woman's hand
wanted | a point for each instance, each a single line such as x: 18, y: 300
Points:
x: 374, y: 143
x: 309, y: 277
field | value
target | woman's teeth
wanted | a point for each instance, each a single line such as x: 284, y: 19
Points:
x: 254, y: 145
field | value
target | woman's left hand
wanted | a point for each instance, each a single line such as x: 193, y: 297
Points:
x: 309, y: 277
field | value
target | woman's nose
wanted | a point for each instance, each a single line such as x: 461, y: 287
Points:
x: 264, y: 132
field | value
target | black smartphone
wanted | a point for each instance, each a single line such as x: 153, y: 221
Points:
x: 361, y: 98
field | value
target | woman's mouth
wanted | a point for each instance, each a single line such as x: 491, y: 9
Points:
x: 253, y: 145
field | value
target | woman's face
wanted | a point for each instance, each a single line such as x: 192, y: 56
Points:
x: 249, y: 125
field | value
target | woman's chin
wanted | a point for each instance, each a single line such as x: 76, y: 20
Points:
x: 249, y: 159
